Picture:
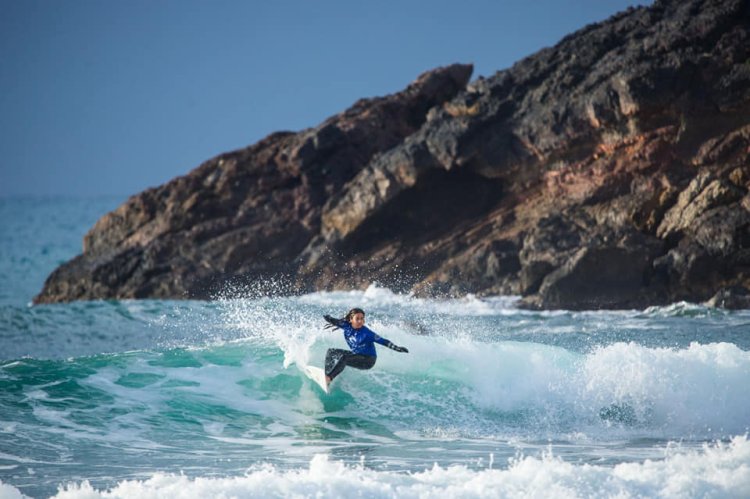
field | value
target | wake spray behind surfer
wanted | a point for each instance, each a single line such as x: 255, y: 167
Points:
x: 360, y: 339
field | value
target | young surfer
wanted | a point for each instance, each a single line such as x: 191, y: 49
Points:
x: 361, y: 341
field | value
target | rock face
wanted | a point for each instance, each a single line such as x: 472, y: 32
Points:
x: 609, y: 171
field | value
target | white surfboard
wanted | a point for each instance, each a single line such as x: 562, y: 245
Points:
x: 316, y: 374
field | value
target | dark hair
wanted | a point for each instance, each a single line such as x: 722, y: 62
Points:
x: 334, y: 323
x: 351, y: 313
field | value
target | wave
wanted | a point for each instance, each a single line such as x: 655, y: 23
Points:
x: 215, y: 387
x: 464, y: 386
x: 718, y: 470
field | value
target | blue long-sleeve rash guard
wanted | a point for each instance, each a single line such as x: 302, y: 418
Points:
x: 362, y: 340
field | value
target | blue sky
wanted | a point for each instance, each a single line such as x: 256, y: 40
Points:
x: 101, y: 97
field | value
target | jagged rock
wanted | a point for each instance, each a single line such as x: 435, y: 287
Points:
x: 609, y: 171
x: 732, y: 298
x: 547, y: 247
x: 604, y: 273
x: 703, y: 193
x: 714, y: 254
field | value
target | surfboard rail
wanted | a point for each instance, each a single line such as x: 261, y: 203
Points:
x: 317, y: 375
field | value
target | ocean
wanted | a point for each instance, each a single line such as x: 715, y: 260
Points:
x: 205, y: 399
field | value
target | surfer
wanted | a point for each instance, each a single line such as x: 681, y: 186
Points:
x: 361, y: 341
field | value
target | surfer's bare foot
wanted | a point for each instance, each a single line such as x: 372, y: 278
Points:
x: 328, y: 380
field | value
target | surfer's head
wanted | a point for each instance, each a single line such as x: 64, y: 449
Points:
x: 355, y: 317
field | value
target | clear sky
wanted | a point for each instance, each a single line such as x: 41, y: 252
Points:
x: 113, y: 97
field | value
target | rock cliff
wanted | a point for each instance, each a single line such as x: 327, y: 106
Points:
x: 609, y: 171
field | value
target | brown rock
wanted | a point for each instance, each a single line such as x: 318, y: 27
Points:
x: 608, y: 171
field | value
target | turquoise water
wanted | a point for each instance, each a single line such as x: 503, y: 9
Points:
x: 147, y: 398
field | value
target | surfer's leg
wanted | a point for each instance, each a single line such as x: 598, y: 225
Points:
x: 336, y: 361
x: 360, y: 361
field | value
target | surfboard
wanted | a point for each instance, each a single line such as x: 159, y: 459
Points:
x: 316, y: 374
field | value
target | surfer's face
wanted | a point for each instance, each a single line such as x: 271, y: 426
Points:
x: 357, y: 320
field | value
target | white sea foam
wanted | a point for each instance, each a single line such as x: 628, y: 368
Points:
x: 699, y: 391
x: 700, y: 388
x: 9, y: 492
x: 719, y: 470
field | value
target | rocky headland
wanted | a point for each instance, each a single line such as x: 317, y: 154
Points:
x: 609, y: 171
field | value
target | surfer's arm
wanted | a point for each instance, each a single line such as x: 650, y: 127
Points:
x: 334, y: 322
x: 389, y: 344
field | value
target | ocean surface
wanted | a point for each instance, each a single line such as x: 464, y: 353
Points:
x: 206, y: 398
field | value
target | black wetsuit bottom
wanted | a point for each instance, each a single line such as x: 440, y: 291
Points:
x: 337, y: 359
